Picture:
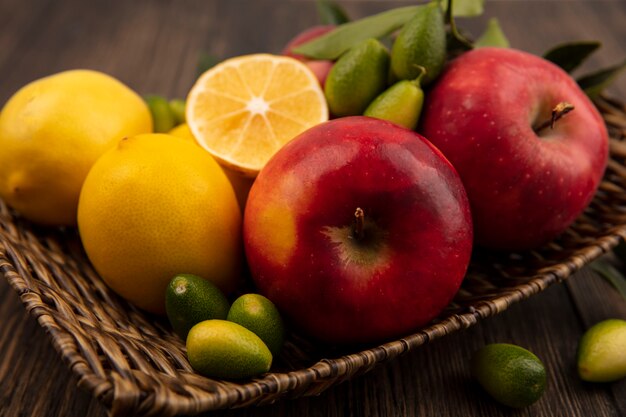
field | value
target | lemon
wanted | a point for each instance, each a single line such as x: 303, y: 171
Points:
x: 190, y: 299
x: 223, y: 349
x: 245, y: 109
x: 241, y: 183
x: 155, y: 206
x: 511, y: 374
x: 182, y: 131
x: 259, y: 315
x: 602, y: 352
x: 51, y: 133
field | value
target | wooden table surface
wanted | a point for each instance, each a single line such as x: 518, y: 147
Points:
x: 153, y: 47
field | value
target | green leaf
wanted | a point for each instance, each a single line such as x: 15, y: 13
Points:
x: 465, y: 8
x: 611, y: 274
x: 492, y: 36
x: 333, y: 44
x: 206, y: 62
x: 571, y: 54
x: 330, y: 13
x: 594, y: 83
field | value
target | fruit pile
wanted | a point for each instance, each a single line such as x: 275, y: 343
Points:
x: 358, y: 229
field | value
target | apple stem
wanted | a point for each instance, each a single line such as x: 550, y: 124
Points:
x: 558, y: 111
x: 359, y: 219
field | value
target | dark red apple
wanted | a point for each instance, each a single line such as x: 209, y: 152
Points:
x: 489, y: 113
x: 320, y: 68
x: 359, y: 230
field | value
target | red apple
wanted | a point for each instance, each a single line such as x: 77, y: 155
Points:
x: 320, y: 68
x: 526, y: 185
x: 359, y: 230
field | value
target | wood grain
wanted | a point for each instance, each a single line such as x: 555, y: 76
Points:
x: 153, y: 46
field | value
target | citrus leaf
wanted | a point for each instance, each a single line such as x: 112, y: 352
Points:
x: 466, y: 8
x: 492, y: 36
x: 571, y: 54
x: 594, y: 83
x: 611, y: 274
x: 334, y: 43
x: 330, y: 13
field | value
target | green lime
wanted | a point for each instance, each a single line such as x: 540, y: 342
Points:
x: 421, y: 42
x: 602, y: 352
x: 357, y: 78
x: 177, y: 107
x: 190, y: 299
x: 401, y: 104
x: 162, y: 116
x: 259, y: 315
x: 511, y: 374
x: 223, y: 349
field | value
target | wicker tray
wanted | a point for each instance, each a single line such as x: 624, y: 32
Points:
x: 136, y: 366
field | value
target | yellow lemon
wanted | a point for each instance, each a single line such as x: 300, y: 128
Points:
x: 53, y: 130
x: 156, y: 206
x: 183, y: 131
x: 245, y: 109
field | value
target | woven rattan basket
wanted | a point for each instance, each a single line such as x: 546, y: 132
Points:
x: 136, y: 366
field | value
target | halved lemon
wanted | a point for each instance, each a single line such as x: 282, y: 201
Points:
x: 245, y: 109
